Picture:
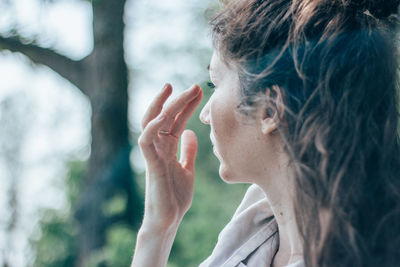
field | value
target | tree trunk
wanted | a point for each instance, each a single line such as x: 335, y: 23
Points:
x: 109, y: 170
x: 103, y: 77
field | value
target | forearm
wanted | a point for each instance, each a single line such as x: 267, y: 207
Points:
x: 153, y: 247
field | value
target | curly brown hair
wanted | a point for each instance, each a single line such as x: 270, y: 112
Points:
x: 335, y: 62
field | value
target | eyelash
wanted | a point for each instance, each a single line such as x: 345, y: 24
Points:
x: 211, y: 85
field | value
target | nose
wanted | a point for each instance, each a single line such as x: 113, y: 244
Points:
x: 205, y: 113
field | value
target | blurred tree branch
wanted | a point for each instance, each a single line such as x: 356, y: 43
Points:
x: 70, y: 69
x: 103, y: 77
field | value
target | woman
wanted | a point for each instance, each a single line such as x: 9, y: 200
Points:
x: 305, y: 108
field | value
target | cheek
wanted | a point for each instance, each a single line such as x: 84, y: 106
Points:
x: 222, y: 118
x: 243, y: 155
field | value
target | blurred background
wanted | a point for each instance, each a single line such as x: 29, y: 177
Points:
x: 75, y: 79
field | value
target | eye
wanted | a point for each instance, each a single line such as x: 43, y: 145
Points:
x: 211, y: 85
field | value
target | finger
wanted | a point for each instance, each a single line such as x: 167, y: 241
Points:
x: 146, y: 140
x: 188, y: 150
x: 178, y: 104
x: 157, y: 105
x: 184, y: 116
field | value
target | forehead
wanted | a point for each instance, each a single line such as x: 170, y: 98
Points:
x: 213, y: 67
x: 222, y: 74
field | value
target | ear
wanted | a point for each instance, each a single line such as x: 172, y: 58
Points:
x: 269, y: 125
x: 273, y: 112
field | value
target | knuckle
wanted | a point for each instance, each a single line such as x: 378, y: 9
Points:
x: 142, y: 141
x: 145, y: 121
x: 172, y: 105
x: 166, y: 114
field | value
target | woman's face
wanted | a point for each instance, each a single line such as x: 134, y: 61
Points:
x: 240, y: 146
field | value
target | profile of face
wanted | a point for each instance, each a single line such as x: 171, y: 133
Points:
x: 246, y: 150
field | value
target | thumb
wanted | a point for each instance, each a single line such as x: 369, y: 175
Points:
x: 188, y: 150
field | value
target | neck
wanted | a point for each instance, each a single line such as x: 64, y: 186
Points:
x: 279, y: 190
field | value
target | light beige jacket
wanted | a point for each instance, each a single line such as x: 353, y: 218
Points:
x: 251, y: 238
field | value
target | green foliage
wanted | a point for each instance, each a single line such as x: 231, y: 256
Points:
x: 115, y: 205
x: 119, y: 249
x: 55, y: 244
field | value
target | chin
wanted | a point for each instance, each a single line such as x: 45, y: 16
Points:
x: 229, y: 176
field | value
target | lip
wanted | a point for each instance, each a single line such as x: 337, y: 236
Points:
x: 216, y: 152
x: 212, y: 139
x: 213, y: 146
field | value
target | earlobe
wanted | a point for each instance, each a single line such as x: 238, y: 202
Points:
x: 273, y: 111
x: 269, y: 125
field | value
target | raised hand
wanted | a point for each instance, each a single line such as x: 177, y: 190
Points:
x: 169, y: 182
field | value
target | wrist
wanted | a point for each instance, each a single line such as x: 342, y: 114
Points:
x: 153, y: 245
x: 158, y: 227
x: 161, y: 224
x: 150, y: 234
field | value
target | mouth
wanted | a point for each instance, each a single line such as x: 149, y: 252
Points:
x: 216, y: 154
x: 213, y: 146
x: 212, y: 139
